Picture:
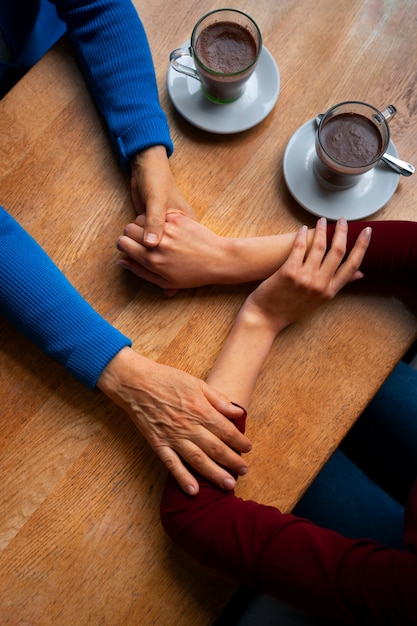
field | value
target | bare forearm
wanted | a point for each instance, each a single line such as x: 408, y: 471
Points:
x: 242, y: 357
x: 254, y: 258
x: 191, y: 255
x: 302, y: 284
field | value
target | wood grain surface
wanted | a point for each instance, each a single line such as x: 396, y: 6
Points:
x: 80, y: 538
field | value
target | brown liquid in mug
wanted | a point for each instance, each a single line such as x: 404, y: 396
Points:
x: 351, y: 139
x: 226, y: 47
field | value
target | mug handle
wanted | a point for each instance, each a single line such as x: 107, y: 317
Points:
x: 179, y: 67
x: 387, y: 113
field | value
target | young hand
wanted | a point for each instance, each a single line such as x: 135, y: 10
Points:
x: 191, y: 255
x: 309, y: 277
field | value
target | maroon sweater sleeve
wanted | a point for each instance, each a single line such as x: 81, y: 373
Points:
x: 392, y: 254
x: 353, y: 581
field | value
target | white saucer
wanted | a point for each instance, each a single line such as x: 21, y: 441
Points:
x: 369, y: 195
x: 258, y: 100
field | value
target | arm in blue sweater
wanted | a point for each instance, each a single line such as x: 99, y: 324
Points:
x: 113, y: 49
x: 178, y: 414
x: 38, y: 300
x: 112, y: 46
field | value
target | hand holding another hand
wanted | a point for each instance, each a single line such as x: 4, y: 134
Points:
x: 189, y: 254
x: 311, y: 276
x: 155, y: 193
x: 182, y: 418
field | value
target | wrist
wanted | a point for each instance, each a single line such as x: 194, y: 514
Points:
x: 150, y: 157
x: 242, y: 357
x: 261, y: 325
x: 118, y: 372
x: 240, y: 260
x: 256, y: 258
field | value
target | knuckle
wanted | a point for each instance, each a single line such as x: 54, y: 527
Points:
x: 170, y: 463
x: 289, y: 271
x: 339, y: 248
x: 154, y: 221
x: 321, y: 246
x: 196, y: 458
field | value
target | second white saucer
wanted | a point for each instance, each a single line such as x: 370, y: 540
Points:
x: 258, y: 100
x: 369, y: 195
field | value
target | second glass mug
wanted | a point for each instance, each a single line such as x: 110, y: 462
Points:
x: 335, y: 165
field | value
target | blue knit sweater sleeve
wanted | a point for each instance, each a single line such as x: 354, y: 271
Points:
x: 113, y: 49
x: 39, y: 301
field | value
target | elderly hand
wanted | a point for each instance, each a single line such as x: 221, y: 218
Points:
x: 155, y: 193
x: 183, y: 419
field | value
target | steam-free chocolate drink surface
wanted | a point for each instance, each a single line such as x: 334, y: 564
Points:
x: 226, y: 47
x: 351, y: 139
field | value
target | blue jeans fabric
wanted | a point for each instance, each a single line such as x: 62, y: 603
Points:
x: 383, y: 442
x: 345, y: 499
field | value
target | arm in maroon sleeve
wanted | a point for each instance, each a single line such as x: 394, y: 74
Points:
x: 392, y: 253
x: 353, y: 581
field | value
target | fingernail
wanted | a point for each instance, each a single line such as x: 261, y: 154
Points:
x: 191, y: 490
x: 342, y: 220
x: 243, y: 470
x: 229, y: 483
x: 151, y: 238
x: 368, y: 232
x: 323, y: 221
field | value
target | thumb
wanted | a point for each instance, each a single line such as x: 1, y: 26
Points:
x: 154, y: 225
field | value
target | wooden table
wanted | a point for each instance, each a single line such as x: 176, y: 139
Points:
x: 80, y: 539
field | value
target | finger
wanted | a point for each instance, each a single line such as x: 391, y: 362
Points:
x: 154, y: 226
x: 318, y: 248
x: 134, y: 231
x: 299, y: 248
x: 140, y: 220
x: 349, y: 270
x: 141, y: 272
x: 132, y: 248
x: 169, y: 293
x: 202, y: 463
x: 184, y: 478
x: 221, y: 425
x: 337, y: 250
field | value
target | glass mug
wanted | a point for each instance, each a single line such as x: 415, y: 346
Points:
x: 351, y: 138
x: 225, y: 47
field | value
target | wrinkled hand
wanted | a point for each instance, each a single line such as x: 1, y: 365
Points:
x: 155, y: 193
x: 189, y: 254
x: 310, y: 276
x: 181, y: 417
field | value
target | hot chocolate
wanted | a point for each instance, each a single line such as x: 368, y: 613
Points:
x: 351, y: 139
x: 226, y: 47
